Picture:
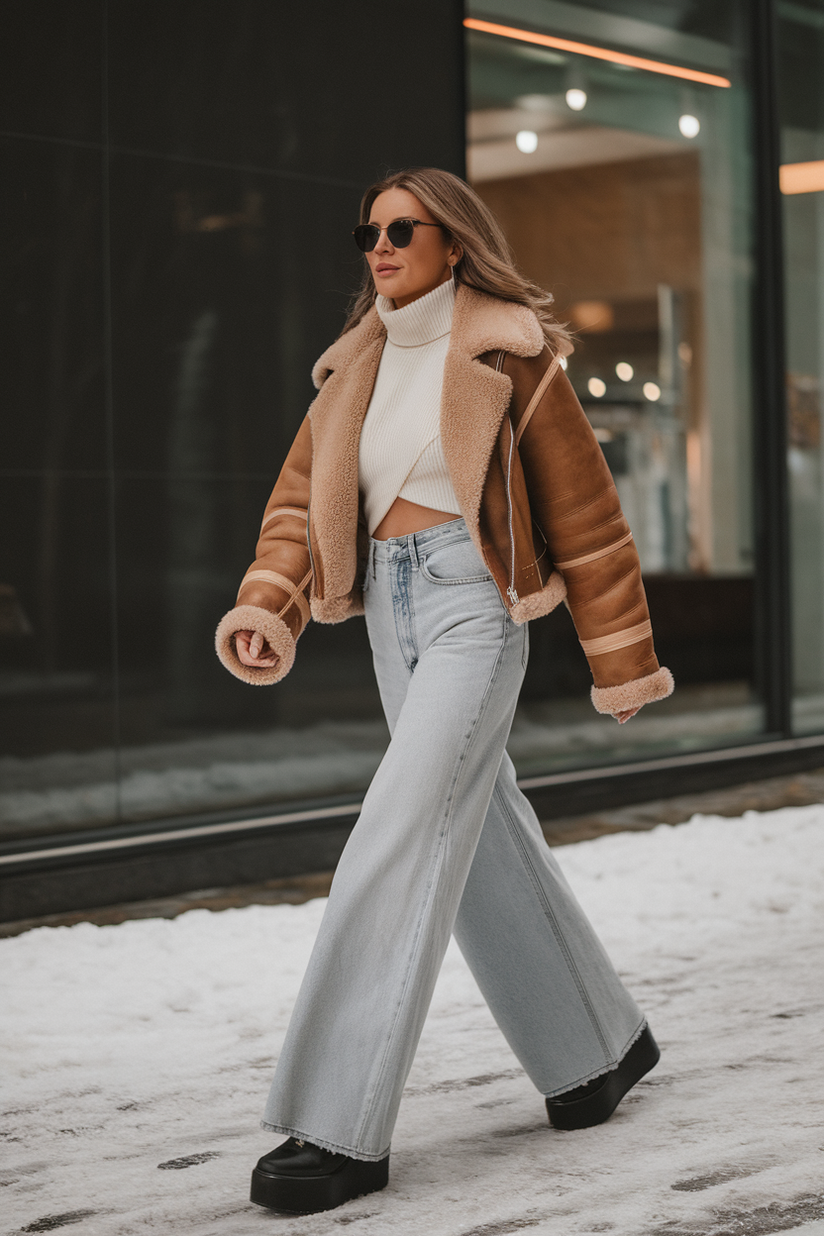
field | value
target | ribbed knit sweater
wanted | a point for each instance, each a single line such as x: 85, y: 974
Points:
x: 400, y: 445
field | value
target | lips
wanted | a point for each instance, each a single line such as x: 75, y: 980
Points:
x: 383, y: 268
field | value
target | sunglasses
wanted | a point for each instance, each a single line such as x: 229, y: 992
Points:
x: 399, y: 234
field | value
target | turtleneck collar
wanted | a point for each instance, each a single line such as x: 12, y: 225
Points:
x: 424, y: 320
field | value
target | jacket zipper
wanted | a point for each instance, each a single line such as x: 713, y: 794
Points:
x: 511, y: 592
x: 309, y: 539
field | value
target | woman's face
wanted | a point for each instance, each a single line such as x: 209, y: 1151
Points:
x: 405, y: 274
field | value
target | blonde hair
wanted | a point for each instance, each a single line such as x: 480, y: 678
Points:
x: 487, y: 263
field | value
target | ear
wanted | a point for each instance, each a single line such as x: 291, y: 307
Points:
x: 455, y: 254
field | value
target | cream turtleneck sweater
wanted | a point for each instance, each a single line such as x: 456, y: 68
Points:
x: 400, y: 445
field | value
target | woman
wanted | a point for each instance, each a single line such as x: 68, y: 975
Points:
x: 457, y: 490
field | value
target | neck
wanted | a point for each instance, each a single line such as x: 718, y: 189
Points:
x: 400, y: 302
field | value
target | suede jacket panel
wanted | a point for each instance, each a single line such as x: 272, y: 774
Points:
x: 531, y: 480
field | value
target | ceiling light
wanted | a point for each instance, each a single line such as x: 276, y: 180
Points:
x: 526, y: 141
x: 652, y: 391
x: 625, y: 372
x: 594, y: 315
x: 802, y: 177
x: 597, y: 53
x: 596, y: 387
x: 690, y: 126
x: 576, y: 99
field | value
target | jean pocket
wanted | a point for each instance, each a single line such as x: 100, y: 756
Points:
x: 456, y: 563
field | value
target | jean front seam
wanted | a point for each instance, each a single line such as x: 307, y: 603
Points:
x: 437, y: 859
x: 549, y: 914
x: 403, y: 609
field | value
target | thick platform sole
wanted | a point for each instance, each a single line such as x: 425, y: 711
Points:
x: 306, y: 1195
x: 597, y: 1107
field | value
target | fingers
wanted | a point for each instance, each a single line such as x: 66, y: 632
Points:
x: 623, y: 717
x: 253, y: 650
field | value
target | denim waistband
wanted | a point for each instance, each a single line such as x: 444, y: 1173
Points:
x: 411, y: 546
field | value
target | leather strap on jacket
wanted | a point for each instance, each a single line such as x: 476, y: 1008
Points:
x: 295, y: 591
x: 536, y: 398
x: 618, y: 639
x: 596, y: 554
x: 283, y: 510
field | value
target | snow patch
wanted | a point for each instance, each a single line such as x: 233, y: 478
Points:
x: 150, y: 1045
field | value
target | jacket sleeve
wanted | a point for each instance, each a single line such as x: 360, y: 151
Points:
x: 274, y: 593
x: 574, y: 500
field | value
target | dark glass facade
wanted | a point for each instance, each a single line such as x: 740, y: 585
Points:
x: 180, y: 181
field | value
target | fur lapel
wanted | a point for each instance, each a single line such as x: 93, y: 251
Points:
x: 476, y: 398
x: 346, y: 374
x: 475, y: 401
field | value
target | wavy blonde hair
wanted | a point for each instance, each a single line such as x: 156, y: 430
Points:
x: 487, y: 264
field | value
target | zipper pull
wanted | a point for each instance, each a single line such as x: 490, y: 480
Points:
x: 512, y: 594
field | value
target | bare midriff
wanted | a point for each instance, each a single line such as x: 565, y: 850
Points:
x: 404, y: 517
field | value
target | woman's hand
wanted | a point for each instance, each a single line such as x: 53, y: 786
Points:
x: 623, y: 717
x: 253, y: 650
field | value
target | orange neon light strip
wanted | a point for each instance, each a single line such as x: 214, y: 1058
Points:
x: 597, y: 53
x: 802, y: 177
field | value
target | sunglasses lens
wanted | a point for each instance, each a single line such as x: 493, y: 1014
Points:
x: 400, y: 233
x: 366, y: 237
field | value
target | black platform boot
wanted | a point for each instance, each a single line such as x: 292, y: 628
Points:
x: 595, y: 1101
x: 300, y: 1178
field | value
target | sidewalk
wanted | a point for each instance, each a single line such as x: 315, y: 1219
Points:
x: 150, y: 1044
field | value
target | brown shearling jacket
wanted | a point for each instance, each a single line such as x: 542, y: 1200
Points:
x: 531, y: 481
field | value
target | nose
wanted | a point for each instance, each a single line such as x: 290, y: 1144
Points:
x: 384, y: 244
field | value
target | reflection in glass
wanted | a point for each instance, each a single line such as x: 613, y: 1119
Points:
x: 634, y: 209
x: 801, y: 53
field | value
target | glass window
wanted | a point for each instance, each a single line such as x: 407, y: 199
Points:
x: 801, y: 57
x: 612, y: 141
x: 172, y: 276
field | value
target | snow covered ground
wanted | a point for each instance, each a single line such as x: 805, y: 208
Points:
x: 149, y: 1045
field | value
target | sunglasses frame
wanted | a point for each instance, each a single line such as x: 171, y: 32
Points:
x: 373, y: 227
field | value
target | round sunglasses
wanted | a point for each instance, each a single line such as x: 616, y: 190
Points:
x: 399, y: 233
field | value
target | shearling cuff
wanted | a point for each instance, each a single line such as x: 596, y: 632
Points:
x: 539, y: 603
x: 275, y: 632
x: 635, y: 693
x: 337, y: 609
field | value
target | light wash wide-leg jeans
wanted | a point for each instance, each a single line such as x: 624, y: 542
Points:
x: 445, y: 842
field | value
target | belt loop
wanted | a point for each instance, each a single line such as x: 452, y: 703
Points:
x: 413, y: 550
x: 373, y: 557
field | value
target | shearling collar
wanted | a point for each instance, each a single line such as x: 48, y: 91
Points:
x: 481, y: 323
x: 473, y: 405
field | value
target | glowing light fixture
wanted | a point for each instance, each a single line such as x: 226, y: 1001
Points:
x: 802, y: 177
x: 596, y: 387
x: 596, y: 53
x: 526, y: 141
x: 625, y: 372
x: 652, y: 391
x: 594, y: 315
x: 690, y: 126
x: 576, y: 99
